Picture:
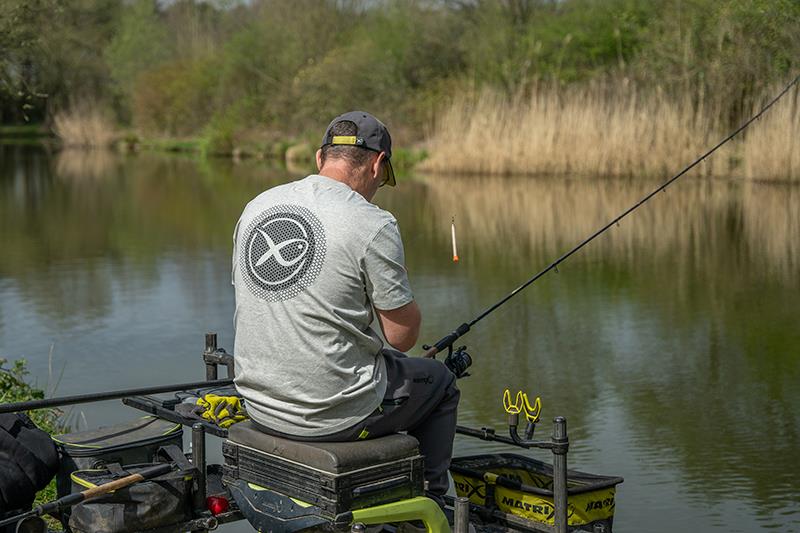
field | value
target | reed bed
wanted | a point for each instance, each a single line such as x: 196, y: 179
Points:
x: 610, y: 129
x: 771, y: 149
x: 85, y: 126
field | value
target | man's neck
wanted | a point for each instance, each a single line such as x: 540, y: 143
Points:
x: 345, y: 175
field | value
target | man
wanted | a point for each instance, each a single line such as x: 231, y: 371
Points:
x: 313, y: 263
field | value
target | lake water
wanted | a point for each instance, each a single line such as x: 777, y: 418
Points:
x: 671, y: 344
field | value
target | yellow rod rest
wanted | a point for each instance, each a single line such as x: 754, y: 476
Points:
x: 512, y: 408
x: 532, y: 413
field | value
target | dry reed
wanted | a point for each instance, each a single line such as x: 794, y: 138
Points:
x: 771, y: 149
x: 608, y: 129
x: 84, y: 125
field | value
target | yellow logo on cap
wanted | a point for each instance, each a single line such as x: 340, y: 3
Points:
x: 344, y: 139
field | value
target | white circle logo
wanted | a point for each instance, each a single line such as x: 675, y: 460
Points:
x: 283, y: 252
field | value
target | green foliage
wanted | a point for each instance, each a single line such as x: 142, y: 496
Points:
x: 139, y: 44
x: 20, y: 48
x: 404, y: 159
x: 26, y: 131
x: 51, y: 52
x: 175, y: 98
x: 14, y: 388
x: 733, y: 49
x: 219, y: 69
x: 219, y: 135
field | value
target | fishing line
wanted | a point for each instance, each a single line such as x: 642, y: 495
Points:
x: 447, y: 341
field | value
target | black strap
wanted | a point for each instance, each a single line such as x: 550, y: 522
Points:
x: 175, y: 455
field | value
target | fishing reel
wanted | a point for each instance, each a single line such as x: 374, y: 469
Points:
x: 458, y: 361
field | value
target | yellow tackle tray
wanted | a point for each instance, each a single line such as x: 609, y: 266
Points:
x: 523, y: 487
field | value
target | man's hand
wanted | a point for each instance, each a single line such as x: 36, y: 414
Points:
x: 401, y: 326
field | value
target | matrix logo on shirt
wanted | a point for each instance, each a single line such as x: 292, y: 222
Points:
x: 283, y: 252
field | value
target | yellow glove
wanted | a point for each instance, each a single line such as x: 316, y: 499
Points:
x: 222, y: 410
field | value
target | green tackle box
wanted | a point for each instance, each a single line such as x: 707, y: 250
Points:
x: 516, y: 488
x: 132, y: 442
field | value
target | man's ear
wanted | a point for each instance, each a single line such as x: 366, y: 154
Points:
x: 376, y: 165
x: 319, y: 159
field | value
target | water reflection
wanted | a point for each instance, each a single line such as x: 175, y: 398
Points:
x: 678, y: 328
x: 705, y: 221
x: 76, y: 165
x: 671, y: 343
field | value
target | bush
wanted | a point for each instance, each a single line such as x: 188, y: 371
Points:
x: 177, y: 98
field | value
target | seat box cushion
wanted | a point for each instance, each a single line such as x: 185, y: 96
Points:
x: 332, y: 457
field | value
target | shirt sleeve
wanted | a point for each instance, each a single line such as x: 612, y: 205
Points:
x: 384, y: 270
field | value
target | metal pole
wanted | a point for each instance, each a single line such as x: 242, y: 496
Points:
x: 211, y: 347
x: 560, y: 443
x: 101, y: 396
x: 199, y: 462
x: 461, y: 520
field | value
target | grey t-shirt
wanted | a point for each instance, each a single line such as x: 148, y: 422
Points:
x: 310, y: 258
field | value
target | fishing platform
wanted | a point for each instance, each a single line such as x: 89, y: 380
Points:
x: 285, y: 486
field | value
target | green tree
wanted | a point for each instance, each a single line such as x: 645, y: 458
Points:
x: 21, y: 86
x: 51, y: 52
x: 733, y: 50
x: 140, y: 43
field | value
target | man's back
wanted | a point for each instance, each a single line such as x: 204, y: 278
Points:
x: 310, y: 259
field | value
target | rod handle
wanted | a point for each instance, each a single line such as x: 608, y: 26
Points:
x: 147, y: 473
x: 77, y: 497
x: 431, y: 353
x: 446, y: 341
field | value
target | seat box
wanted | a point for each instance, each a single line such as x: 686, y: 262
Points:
x: 335, y: 476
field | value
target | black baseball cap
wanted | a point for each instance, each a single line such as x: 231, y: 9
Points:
x: 371, y: 134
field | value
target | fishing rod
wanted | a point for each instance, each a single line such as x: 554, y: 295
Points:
x: 111, y: 395
x: 460, y: 362
x: 77, y: 497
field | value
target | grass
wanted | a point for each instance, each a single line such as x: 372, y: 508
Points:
x: 23, y: 131
x: 191, y: 145
x: 297, y: 154
x: 607, y: 129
